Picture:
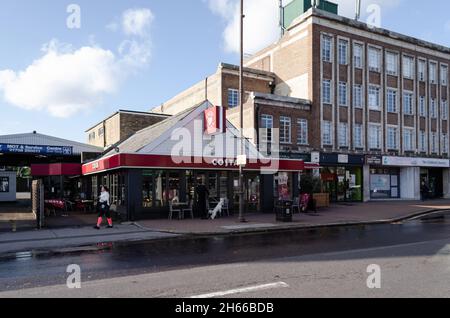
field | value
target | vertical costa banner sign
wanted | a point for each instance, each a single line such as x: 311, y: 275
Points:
x: 215, y: 120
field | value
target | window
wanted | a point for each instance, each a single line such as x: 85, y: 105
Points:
x: 408, y: 139
x: 433, y: 142
x: 285, y: 130
x: 374, y: 97
x: 422, y: 106
x: 4, y: 184
x: 358, y: 56
x: 391, y: 101
x: 445, y: 143
x: 422, y: 141
x: 266, y: 129
x: 375, y: 137
x: 392, y: 138
x: 444, y: 75
x: 343, y: 135
x: 343, y: 52
x: 444, y: 109
x: 408, y: 107
x: 342, y: 94
x: 358, y: 136
x: 391, y: 63
x: 302, y: 132
x: 92, y: 136
x: 408, y: 67
x: 357, y: 96
x: 433, y: 73
x: 233, y: 98
x: 326, y: 48
x: 326, y: 91
x: 327, y: 133
x: 374, y: 60
x: 101, y: 131
x: 433, y: 108
x: 422, y: 70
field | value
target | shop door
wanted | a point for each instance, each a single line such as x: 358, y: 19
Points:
x: 253, y: 193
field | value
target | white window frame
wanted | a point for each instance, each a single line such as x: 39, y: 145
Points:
x: 422, y: 106
x: 379, y: 138
x: 392, y: 63
x: 343, y: 45
x: 327, y: 48
x: 302, y: 132
x: 358, y: 55
x: 285, y: 122
x: 422, y: 70
x: 433, y: 72
x: 444, y: 109
x: 390, y: 91
x: 444, y: 140
x: 358, y: 136
x: 326, y: 87
x: 408, y: 103
x: 233, y: 98
x: 343, y: 135
x: 392, y: 144
x: 444, y: 74
x: 374, y: 59
x: 378, y: 97
x: 433, y: 108
x: 267, y: 127
x: 358, y: 96
x: 327, y: 133
x: 408, y: 132
x: 343, y: 93
x: 408, y: 67
x: 423, y: 141
x: 434, y: 142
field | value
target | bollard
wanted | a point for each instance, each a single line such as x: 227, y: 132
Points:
x: 13, y: 225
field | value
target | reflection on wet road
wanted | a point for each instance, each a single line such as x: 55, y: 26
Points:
x: 26, y: 270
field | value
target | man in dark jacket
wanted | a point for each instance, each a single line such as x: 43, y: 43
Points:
x: 202, y: 197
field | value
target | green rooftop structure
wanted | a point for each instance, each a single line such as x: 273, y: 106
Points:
x: 297, y: 7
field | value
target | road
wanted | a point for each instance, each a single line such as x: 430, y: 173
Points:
x: 414, y: 259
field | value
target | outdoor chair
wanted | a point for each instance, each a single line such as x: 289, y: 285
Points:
x: 189, y: 209
x: 225, y: 207
x: 296, y: 205
x: 172, y: 211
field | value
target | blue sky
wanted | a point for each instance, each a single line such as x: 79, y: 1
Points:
x: 182, y: 43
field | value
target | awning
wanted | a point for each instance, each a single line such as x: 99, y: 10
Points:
x: 140, y: 161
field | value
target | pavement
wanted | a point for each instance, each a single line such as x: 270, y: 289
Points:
x: 336, y: 215
x: 85, y: 236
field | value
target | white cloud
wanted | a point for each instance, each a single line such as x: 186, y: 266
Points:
x: 262, y: 20
x: 137, y: 21
x: 64, y: 81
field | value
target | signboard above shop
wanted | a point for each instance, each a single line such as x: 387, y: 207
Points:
x: 416, y: 162
x: 36, y: 150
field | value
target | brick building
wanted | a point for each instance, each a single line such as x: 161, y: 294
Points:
x: 369, y: 104
x: 120, y: 126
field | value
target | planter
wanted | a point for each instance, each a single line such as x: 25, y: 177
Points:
x: 322, y: 200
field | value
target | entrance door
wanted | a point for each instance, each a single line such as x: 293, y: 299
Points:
x: 253, y: 193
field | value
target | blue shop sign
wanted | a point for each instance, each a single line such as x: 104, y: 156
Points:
x: 38, y: 150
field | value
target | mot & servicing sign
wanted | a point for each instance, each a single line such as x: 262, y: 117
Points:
x: 34, y: 149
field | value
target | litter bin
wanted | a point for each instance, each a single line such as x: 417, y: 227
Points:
x: 284, y: 211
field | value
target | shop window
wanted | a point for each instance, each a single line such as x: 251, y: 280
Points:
x: 385, y: 183
x: 4, y: 184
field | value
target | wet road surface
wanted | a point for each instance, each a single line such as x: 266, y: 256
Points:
x: 125, y: 260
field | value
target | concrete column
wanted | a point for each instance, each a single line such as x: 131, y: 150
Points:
x: 410, y: 183
x: 366, y: 183
x: 446, y: 182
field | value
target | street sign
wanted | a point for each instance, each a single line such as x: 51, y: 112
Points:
x: 241, y: 160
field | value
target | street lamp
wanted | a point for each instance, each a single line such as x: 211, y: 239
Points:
x: 241, y: 107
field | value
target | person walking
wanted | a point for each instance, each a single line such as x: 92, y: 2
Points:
x: 202, y: 197
x: 103, y: 208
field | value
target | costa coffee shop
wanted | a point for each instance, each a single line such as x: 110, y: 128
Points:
x: 166, y: 162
